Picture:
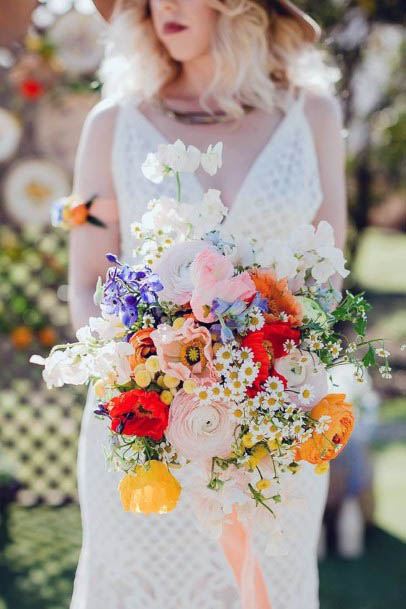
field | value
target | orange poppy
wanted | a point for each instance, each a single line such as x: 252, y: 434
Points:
x: 280, y: 299
x: 143, y: 346
x: 328, y: 445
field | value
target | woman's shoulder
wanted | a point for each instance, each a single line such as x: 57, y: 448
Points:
x: 102, y: 117
x: 323, y: 111
x: 322, y: 108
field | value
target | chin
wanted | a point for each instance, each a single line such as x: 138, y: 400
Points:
x: 183, y: 51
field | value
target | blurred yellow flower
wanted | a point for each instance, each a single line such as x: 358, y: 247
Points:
x: 150, y: 489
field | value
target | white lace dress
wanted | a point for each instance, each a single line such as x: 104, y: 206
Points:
x: 132, y: 561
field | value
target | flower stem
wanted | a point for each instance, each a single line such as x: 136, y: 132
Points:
x: 178, y: 186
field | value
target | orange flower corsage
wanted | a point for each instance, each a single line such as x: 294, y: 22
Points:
x: 69, y: 212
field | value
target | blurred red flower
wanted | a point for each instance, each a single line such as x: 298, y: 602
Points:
x: 139, y: 413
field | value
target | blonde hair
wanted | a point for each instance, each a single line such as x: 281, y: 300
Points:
x: 257, y: 54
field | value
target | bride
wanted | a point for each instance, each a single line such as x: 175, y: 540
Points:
x: 247, y: 73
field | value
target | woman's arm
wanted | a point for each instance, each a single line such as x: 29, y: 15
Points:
x: 325, y: 118
x: 89, y: 244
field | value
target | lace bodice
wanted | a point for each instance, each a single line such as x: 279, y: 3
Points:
x: 281, y: 188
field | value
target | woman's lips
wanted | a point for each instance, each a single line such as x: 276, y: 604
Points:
x: 173, y: 28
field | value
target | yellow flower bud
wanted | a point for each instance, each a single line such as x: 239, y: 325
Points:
x: 142, y: 378
x: 178, y: 323
x: 248, y: 441
x: 189, y: 386
x: 272, y: 445
x: 160, y: 380
x: 263, y: 484
x: 152, y: 364
x: 171, y: 381
x: 166, y: 396
x: 238, y: 413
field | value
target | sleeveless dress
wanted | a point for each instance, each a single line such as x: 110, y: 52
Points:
x: 130, y: 561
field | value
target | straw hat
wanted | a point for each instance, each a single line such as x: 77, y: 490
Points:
x: 310, y: 27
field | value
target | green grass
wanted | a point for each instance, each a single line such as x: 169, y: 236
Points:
x: 380, y: 262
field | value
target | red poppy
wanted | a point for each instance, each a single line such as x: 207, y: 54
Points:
x: 139, y: 413
x: 267, y: 345
x: 32, y: 89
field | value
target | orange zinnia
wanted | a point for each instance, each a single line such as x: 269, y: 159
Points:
x: 143, y: 347
x: 323, y: 447
x: 280, y: 299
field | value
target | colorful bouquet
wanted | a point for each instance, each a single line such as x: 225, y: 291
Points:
x: 214, y: 353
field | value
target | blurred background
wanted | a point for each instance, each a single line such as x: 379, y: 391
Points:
x: 49, y: 55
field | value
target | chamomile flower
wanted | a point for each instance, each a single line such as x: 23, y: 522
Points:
x: 290, y: 346
x: 351, y: 347
x: 335, y: 349
x: 385, y: 372
x: 203, y: 395
x: 215, y: 392
x: 249, y: 372
x: 323, y: 424
x: 244, y: 354
x: 315, y: 343
x: 148, y: 321
x: 274, y: 385
x: 283, y: 316
x: 225, y: 355
x: 256, y: 320
x: 306, y: 394
x: 381, y: 352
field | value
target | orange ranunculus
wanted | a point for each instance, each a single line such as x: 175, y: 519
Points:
x: 76, y: 215
x: 143, y: 346
x: 280, y: 299
x: 149, y: 490
x: 326, y: 446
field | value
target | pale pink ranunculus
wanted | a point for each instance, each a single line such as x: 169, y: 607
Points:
x: 199, y: 431
x: 176, y: 348
x: 212, y: 276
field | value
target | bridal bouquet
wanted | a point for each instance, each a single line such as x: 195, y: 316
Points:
x: 214, y: 352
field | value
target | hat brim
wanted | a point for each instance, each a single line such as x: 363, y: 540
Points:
x: 310, y: 27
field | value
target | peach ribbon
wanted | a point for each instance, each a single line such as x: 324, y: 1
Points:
x: 237, y: 546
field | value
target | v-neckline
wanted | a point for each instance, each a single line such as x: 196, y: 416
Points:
x: 276, y: 133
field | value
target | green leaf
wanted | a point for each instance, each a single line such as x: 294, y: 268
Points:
x: 369, y: 358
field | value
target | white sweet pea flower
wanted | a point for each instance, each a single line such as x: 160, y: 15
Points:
x: 60, y: 368
x: 110, y: 361
x: 84, y: 334
x: 177, y: 158
x: 107, y: 327
x: 209, y: 213
x: 279, y: 257
x: 212, y: 160
x: 153, y: 169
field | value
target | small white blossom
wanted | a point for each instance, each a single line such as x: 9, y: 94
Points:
x: 211, y: 160
x: 256, y: 320
x: 381, y: 352
x: 306, y: 394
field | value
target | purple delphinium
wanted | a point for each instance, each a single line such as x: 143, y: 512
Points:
x: 126, y: 289
x: 234, y: 316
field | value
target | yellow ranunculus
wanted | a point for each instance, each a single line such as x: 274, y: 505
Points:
x: 149, y: 489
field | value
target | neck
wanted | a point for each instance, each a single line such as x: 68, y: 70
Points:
x: 194, y: 78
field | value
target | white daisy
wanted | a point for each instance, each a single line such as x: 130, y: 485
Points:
x: 335, y: 349
x: 225, y: 354
x: 274, y: 385
x: 283, y: 316
x: 244, y: 354
x: 306, y: 394
x: 203, y: 395
x: 381, y: 352
x: 148, y: 321
x: 256, y: 320
x: 216, y: 392
x: 249, y: 372
x: 290, y: 346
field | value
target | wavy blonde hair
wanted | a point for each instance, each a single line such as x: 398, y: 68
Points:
x: 257, y: 53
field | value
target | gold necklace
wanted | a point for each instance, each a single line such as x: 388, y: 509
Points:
x: 195, y: 117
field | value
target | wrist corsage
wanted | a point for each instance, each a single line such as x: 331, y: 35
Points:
x: 69, y: 212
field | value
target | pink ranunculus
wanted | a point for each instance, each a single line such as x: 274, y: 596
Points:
x: 212, y: 275
x: 200, y: 432
x: 185, y: 352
